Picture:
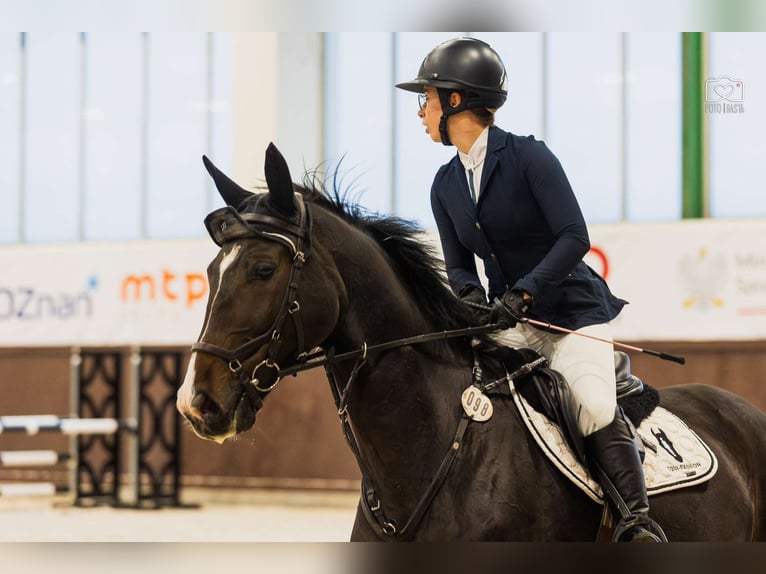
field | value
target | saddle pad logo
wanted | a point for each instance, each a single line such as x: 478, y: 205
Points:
x: 665, y: 442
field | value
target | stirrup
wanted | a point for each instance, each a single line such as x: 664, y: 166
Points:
x: 643, y: 528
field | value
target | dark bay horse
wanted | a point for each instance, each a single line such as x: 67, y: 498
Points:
x: 299, y: 270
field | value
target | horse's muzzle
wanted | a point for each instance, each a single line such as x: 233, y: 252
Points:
x: 207, y: 417
x: 211, y: 420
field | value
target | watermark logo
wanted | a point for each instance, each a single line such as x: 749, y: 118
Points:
x: 724, y: 95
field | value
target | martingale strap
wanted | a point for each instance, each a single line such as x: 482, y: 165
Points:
x: 372, y: 507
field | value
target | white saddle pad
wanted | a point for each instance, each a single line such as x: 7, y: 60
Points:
x: 675, y: 456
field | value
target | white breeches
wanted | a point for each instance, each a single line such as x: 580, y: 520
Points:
x: 587, y: 366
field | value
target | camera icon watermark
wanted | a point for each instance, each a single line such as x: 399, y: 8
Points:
x: 724, y: 95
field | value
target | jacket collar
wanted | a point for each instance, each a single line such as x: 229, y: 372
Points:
x: 495, y: 143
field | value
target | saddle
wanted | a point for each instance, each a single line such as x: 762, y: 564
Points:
x: 673, y: 455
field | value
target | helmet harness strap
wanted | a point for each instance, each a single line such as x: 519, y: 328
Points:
x: 447, y: 111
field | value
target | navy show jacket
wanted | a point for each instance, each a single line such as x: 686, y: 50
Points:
x: 527, y: 228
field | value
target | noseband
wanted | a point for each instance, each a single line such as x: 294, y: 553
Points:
x: 226, y: 224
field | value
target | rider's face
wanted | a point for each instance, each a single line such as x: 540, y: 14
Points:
x: 431, y: 113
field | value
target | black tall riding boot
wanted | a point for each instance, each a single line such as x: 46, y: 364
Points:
x: 613, y: 449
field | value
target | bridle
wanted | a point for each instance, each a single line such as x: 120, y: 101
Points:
x: 227, y: 224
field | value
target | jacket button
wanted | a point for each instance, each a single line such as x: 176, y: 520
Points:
x: 493, y: 256
x: 477, y: 225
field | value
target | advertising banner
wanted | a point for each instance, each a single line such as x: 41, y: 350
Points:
x: 104, y: 294
x: 691, y: 281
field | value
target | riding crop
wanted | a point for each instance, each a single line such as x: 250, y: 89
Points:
x: 665, y: 356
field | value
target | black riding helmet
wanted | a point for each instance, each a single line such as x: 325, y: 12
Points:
x: 467, y: 65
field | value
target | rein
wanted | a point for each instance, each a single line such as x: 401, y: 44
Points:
x: 310, y: 363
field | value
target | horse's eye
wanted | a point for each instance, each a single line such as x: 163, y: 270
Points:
x: 262, y: 270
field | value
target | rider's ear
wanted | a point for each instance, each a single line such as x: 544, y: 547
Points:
x: 281, y: 193
x: 231, y: 193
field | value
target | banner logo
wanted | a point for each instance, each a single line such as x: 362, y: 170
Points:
x: 596, y: 258
x: 189, y: 288
x: 703, y: 278
x: 26, y: 303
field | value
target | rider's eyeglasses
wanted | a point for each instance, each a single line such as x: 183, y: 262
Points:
x: 422, y: 101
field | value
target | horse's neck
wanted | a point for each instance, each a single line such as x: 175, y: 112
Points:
x: 378, y: 306
x: 404, y: 406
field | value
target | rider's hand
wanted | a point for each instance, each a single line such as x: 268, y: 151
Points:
x: 510, y: 308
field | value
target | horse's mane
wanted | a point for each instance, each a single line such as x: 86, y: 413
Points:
x: 416, y: 262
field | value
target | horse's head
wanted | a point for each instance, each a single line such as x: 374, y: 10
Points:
x: 269, y: 302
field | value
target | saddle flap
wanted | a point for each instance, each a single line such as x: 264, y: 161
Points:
x: 556, y: 400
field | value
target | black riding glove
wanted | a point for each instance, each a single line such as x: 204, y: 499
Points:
x: 472, y: 294
x: 510, y: 308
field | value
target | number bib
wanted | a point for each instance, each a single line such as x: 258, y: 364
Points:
x: 476, y: 404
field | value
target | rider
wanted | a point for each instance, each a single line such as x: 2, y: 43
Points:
x: 506, y: 199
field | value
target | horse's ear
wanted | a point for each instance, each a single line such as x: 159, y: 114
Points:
x: 231, y: 193
x: 281, y: 193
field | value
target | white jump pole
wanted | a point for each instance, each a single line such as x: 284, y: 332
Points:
x: 34, y: 424
x: 32, y: 457
x: 30, y: 489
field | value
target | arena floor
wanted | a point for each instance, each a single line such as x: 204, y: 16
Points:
x: 264, y: 516
x: 286, y: 533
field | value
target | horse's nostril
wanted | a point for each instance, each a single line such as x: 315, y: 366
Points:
x: 205, y: 406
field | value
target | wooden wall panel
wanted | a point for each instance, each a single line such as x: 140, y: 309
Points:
x: 297, y: 440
